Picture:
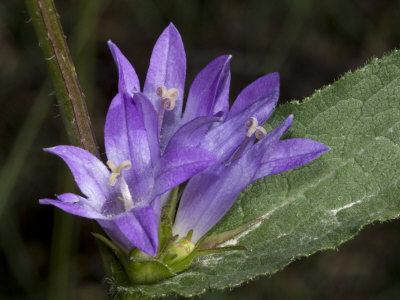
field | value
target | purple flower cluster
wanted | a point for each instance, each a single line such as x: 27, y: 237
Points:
x: 152, y: 146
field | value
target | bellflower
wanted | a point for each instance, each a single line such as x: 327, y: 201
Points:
x: 153, y: 146
x: 210, y: 194
x: 125, y: 199
x: 164, y: 86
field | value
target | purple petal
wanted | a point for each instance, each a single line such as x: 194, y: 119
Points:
x: 75, y: 205
x: 289, y: 154
x: 150, y: 122
x: 192, y: 133
x: 134, y: 228
x: 165, y: 197
x: 272, y: 137
x: 222, y: 140
x: 126, y: 138
x: 266, y: 87
x: 210, y: 194
x: 156, y: 206
x: 128, y: 80
x: 179, y: 164
x: 222, y: 100
x: 208, y: 93
x: 90, y: 174
x: 167, y: 68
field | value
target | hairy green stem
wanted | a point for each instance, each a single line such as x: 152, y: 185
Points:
x: 65, y: 80
x: 70, y: 97
x: 83, y: 48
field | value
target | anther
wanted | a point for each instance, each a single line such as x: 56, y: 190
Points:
x: 260, y: 133
x: 168, y: 99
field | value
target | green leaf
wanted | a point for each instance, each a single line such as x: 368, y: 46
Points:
x: 322, y: 204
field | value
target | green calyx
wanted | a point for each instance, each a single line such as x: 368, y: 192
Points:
x: 174, y: 254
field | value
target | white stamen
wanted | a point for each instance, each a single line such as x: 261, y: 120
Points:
x: 126, y: 194
x: 260, y: 132
x: 116, y: 177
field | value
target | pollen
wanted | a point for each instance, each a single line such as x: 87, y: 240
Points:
x: 116, y: 171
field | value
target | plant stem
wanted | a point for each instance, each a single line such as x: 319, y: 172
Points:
x: 70, y: 97
x: 83, y: 48
x: 62, y: 71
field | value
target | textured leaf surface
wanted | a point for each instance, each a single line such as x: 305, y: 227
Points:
x: 324, y: 203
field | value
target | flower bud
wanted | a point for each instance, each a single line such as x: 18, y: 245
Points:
x: 178, y: 251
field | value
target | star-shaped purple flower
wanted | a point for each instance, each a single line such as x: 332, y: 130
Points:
x: 241, y: 160
x: 152, y: 147
x: 164, y: 86
x: 125, y: 199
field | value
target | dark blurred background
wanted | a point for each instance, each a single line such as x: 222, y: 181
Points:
x: 45, y: 253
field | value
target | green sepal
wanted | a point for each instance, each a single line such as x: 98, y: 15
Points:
x: 111, y: 245
x: 167, y: 219
x: 114, y: 267
x: 185, y: 263
x: 209, y: 242
x: 145, y: 271
x: 135, y: 267
x: 173, y: 256
x: 117, y: 270
x: 164, y: 251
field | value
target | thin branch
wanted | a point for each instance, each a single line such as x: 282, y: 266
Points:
x: 62, y: 71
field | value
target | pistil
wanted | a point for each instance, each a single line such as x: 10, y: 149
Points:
x: 168, y: 100
x: 253, y: 132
